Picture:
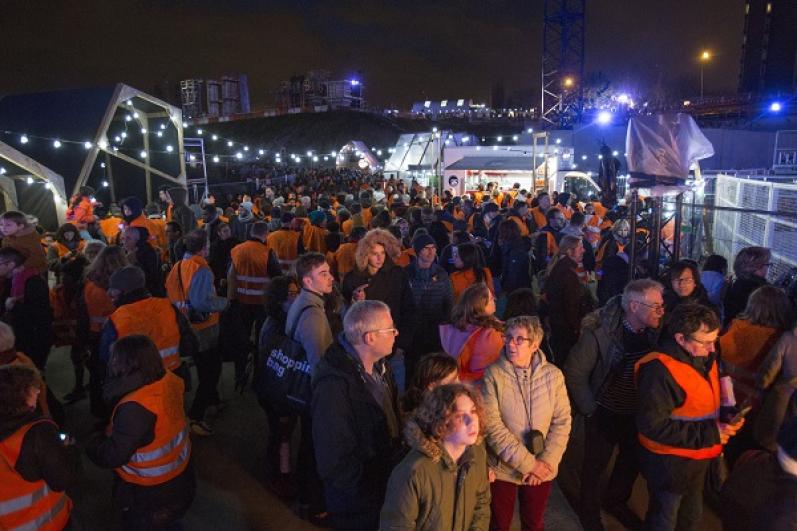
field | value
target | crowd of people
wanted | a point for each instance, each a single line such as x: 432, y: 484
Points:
x: 442, y: 356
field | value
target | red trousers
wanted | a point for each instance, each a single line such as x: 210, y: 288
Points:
x: 532, y: 505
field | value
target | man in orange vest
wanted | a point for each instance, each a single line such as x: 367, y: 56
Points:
x: 190, y: 287
x: 678, y: 417
x: 138, y: 312
x: 36, y: 464
x: 286, y: 243
x: 253, y: 265
x: 538, y: 212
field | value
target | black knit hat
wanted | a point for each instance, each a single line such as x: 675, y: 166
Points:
x: 422, y: 240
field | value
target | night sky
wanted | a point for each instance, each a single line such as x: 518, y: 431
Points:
x: 407, y: 50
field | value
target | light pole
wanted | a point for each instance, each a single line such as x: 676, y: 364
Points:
x: 705, y: 57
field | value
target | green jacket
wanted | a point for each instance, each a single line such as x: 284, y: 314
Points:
x: 429, y: 491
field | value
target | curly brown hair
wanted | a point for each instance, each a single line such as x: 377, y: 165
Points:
x: 16, y: 381
x: 435, y: 415
x: 376, y: 237
x: 469, y: 310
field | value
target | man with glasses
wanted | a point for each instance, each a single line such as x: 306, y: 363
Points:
x: 356, y: 423
x: 599, y: 374
x: 680, y: 430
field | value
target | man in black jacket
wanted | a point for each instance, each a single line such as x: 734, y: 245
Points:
x: 355, y: 417
x: 433, y: 297
x: 599, y: 374
x: 680, y: 430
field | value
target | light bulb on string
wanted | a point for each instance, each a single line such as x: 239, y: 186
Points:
x: 105, y: 184
x: 103, y: 143
x: 2, y: 170
x: 57, y: 144
x: 185, y: 124
x: 169, y: 149
x: 215, y: 137
x: 239, y: 155
x: 500, y: 138
x: 199, y: 132
x: 143, y: 154
x: 87, y: 144
x: 129, y: 103
x: 29, y: 180
x: 160, y: 134
x: 143, y: 130
x: 246, y: 148
x: 216, y: 158
x: 163, y: 126
x: 192, y: 158
x: 117, y: 138
x: 229, y: 143
x: 23, y: 139
x: 261, y: 152
x: 135, y: 115
x: 123, y: 135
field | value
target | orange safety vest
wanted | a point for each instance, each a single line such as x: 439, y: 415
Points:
x: 178, y: 295
x: 345, y: 259
x: 539, y: 217
x: 524, y: 229
x: 313, y: 239
x: 285, y: 243
x: 153, y: 317
x: 460, y: 280
x: 346, y: 226
x: 28, y: 504
x: 166, y: 457
x: 63, y: 250
x: 702, y: 402
x: 158, y: 228
x: 110, y: 227
x: 250, y: 263
x: 98, y: 305
x: 405, y: 258
x: 367, y: 216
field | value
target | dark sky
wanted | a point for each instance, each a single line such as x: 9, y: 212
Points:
x: 406, y: 49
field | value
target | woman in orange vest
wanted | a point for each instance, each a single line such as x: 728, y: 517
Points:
x: 94, y: 308
x: 147, y: 443
x: 67, y: 245
x: 36, y: 463
x: 471, y: 269
x: 81, y: 210
x: 474, y: 336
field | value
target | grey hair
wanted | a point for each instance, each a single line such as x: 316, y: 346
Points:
x: 7, y: 338
x: 530, y: 323
x: 639, y: 287
x: 361, y: 318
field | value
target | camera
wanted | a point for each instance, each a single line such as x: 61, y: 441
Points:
x: 534, y: 441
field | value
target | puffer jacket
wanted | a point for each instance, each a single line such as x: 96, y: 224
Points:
x: 433, y: 298
x: 594, y: 361
x: 429, y: 491
x: 506, y: 423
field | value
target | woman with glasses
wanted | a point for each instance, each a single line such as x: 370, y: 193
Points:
x: 473, y: 337
x: 527, y: 425
x: 280, y: 294
x: 684, y: 286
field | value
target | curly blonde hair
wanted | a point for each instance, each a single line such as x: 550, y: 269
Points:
x: 376, y: 237
x: 435, y: 415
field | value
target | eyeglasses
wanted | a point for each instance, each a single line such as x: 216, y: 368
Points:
x: 393, y: 331
x: 689, y: 280
x: 654, y: 307
x: 519, y: 340
x: 701, y: 342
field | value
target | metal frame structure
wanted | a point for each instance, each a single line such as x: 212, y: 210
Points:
x: 562, y: 62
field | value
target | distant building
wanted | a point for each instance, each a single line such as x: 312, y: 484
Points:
x: 215, y: 97
x: 457, y: 108
x: 316, y: 91
x: 769, y: 48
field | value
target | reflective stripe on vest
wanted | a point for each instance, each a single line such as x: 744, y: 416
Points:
x: 23, y: 502
x: 247, y: 291
x: 702, y: 402
x: 168, y: 351
x: 162, y: 470
x: 143, y: 457
x: 256, y: 280
x: 37, y: 523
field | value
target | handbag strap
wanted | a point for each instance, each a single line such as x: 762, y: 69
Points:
x: 298, y: 318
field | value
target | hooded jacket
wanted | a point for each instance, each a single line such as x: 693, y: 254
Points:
x: 597, y: 356
x: 429, y: 491
x: 506, y: 422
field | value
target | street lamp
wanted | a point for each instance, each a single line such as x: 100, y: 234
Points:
x: 568, y: 82
x: 705, y: 57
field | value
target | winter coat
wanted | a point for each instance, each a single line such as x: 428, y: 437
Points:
x: 312, y: 330
x: 514, y: 264
x: 742, y: 349
x: 568, y: 302
x: 28, y: 242
x: 506, y: 422
x: 354, y: 449
x: 486, y: 348
x: 659, y: 395
x: 738, y: 292
x: 391, y: 286
x: 777, y: 378
x: 781, y: 362
x: 433, y: 299
x: 429, y: 491
x: 597, y: 357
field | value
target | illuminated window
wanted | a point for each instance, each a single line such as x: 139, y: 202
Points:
x: 444, y: 103
x: 460, y: 103
x: 427, y: 104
